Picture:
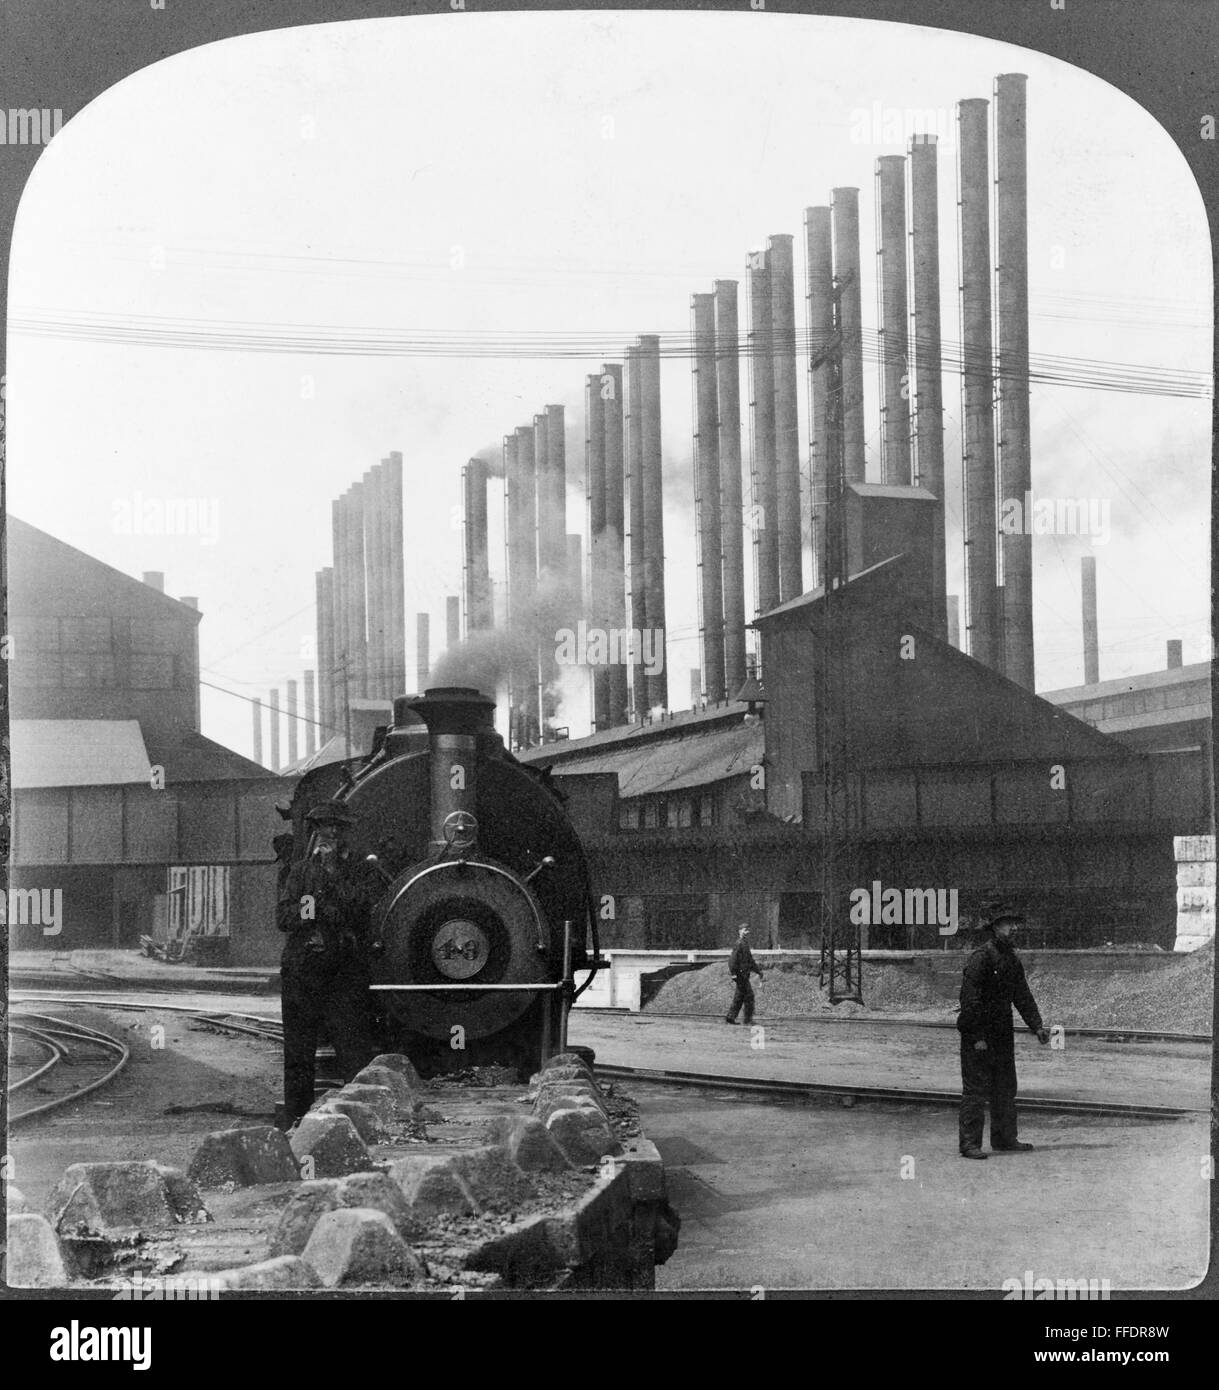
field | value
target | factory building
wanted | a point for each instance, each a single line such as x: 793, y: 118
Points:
x: 127, y: 821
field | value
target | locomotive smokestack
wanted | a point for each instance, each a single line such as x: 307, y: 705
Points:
x: 454, y: 716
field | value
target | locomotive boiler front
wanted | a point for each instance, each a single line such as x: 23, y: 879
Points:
x: 483, y: 869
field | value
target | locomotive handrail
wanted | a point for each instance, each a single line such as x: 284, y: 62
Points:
x: 471, y: 988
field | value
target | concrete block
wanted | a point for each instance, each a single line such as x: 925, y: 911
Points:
x: 1196, y: 874
x: 567, y: 1059
x: 645, y: 1170
x: 395, y: 1061
x: 584, y: 1135
x: 1192, y: 943
x: 527, y: 1141
x: 522, y: 1254
x: 432, y: 1185
x: 307, y: 1205
x: 332, y: 1144
x: 1193, y: 847
x: 357, y: 1245
x: 1196, y: 899
x: 567, y: 1093
x: 283, y: 1272
x: 105, y: 1197
x: 15, y: 1199
x: 369, y: 1125
x: 34, y: 1259
x: 495, y: 1181
x: 243, y: 1157
x: 394, y: 1082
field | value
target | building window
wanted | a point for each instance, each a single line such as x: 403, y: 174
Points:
x: 706, y: 810
x: 628, y: 815
x: 685, y: 813
x: 651, y: 817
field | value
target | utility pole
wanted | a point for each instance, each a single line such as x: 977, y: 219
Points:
x: 343, y: 669
x: 841, y: 966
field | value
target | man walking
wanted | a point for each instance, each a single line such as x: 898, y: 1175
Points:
x: 324, y: 908
x: 992, y: 983
x: 740, y: 967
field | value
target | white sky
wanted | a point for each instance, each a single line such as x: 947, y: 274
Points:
x: 594, y: 169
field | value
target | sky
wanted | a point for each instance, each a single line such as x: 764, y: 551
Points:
x: 543, y: 178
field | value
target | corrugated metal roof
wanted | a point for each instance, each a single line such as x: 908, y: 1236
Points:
x: 693, y: 760
x: 78, y: 753
x: 1123, y: 685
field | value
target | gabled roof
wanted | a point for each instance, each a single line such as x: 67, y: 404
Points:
x: 671, y: 726
x: 860, y: 585
x: 78, y: 753
x: 1125, y: 685
x: 698, y: 758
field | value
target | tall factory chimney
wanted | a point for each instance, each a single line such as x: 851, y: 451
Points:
x: 1087, y: 583
x: 378, y: 634
x: 615, y: 530
x: 977, y: 387
x: 598, y: 576
x: 728, y: 393
x: 292, y: 725
x: 275, y: 764
x: 396, y: 567
x: 653, y: 513
x: 384, y: 573
x: 762, y: 380
x: 953, y: 606
x: 894, y: 329
x: 452, y: 621
x: 342, y: 659
x: 634, y: 486
x: 707, y: 495
x: 525, y: 587
x: 256, y: 712
x: 325, y: 650
x: 477, y: 559
x: 845, y: 218
x: 819, y: 263
x: 928, y: 365
x: 423, y: 660
x: 310, y: 716
x: 357, y: 594
x: 780, y: 260
x: 1012, y: 308
x: 1174, y: 654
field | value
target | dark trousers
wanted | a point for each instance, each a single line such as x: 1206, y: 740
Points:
x: 988, y: 1077
x: 319, y: 997
x: 743, y: 995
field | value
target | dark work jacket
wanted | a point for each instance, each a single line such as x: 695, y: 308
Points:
x: 740, y: 962
x: 993, y: 982
x: 340, y: 927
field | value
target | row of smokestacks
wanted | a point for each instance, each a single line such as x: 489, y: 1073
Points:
x: 361, y: 606
x: 301, y: 726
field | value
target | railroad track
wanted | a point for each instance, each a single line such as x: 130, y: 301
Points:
x: 1131, y: 1035
x: 52, y: 1035
x: 849, y: 1094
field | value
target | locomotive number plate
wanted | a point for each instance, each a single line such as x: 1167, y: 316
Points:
x: 460, y: 949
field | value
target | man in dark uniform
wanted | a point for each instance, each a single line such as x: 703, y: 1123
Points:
x: 740, y: 967
x: 324, y: 908
x: 992, y: 983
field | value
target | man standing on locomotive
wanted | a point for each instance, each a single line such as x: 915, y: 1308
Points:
x: 993, y: 982
x: 324, y: 908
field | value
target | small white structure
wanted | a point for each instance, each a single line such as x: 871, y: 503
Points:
x: 1195, y: 856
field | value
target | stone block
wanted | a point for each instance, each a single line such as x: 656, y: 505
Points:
x: 34, y: 1259
x: 559, y: 1096
x: 1196, y: 874
x: 567, y: 1059
x: 15, y: 1199
x: 379, y: 1192
x: 394, y: 1082
x: 495, y: 1181
x: 283, y: 1272
x: 307, y: 1205
x: 244, y: 1158
x: 527, y: 1141
x: 432, y: 1185
x: 1187, y: 848
x: 379, y: 1099
x: 645, y: 1170
x: 1196, y: 899
x: 357, y: 1245
x: 332, y: 1143
x: 369, y: 1125
x: 395, y: 1061
x: 106, y: 1197
x: 584, y: 1135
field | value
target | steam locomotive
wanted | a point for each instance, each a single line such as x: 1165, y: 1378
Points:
x: 487, y: 908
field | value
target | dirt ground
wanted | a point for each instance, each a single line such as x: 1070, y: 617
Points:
x: 821, y: 1197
